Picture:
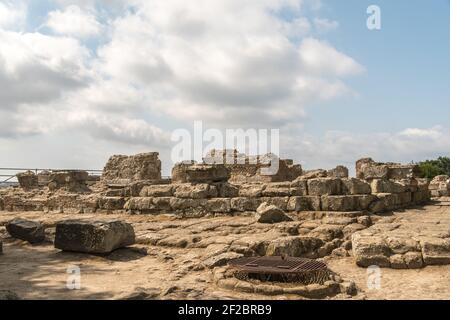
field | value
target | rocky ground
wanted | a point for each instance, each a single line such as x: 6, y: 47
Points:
x: 175, y: 258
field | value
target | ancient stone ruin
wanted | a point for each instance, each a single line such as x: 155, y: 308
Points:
x: 240, y: 212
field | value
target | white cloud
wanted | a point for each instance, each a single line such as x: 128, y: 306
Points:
x: 325, y: 25
x: 345, y: 147
x: 12, y: 15
x: 74, y: 21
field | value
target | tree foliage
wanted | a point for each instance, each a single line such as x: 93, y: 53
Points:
x: 432, y: 168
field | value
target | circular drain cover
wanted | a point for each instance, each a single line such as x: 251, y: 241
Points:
x: 280, y: 269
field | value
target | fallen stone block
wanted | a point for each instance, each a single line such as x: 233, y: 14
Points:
x: 324, y: 186
x: 338, y: 172
x: 270, y: 214
x: 93, y: 236
x: 26, y: 230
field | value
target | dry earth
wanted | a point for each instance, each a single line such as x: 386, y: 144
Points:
x: 175, y: 267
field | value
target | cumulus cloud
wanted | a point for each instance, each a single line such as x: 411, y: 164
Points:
x: 74, y: 21
x: 341, y: 147
x: 12, y: 15
x: 325, y: 25
x: 163, y: 64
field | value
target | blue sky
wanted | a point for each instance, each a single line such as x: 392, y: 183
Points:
x: 82, y: 80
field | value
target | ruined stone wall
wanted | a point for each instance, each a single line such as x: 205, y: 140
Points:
x: 368, y: 169
x: 126, y: 169
x: 321, y: 194
x: 440, y: 186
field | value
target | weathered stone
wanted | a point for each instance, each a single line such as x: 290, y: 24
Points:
x: 299, y: 187
x: 93, y: 236
x: 281, y: 189
x: 397, y: 262
x: 245, y: 204
x: 26, y: 230
x: 146, y: 166
x: 218, y: 205
x: 338, y: 203
x: 338, y: 172
x: 251, y: 190
x: 111, y: 203
x: 140, y: 204
x: 71, y: 181
x: 157, y: 191
x: 413, y: 260
x: 370, y: 251
x: 294, y: 246
x: 386, y: 186
x: 28, y: 180
x: 196, y: 191
x: 280, y: 202
x: 324, y: 186
x: 305, y: 203
x: 227, y: 190
x: 436, y: 251
x: 270, y: 214
x: 221, y: 259
x: 327, y: 232
x: 200, y: 173
x: 314, y: 174
x: 353, y: 186
x: 183, y: 204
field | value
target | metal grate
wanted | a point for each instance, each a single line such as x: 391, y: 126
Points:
x: 281, y: 269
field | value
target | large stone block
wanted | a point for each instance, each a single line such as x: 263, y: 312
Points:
x: 304, y: 203
x: 280, y: 202
x: 280, y: 189
x: 339, y: 203
x: 186, y: 204
x: 251, y: 190
x: 93, y: 236
x: 71, y: 181
x: 386, y: 186
x: 145, y: 166
x: 196, y: 191
x: 355, y: 186
x: 111, y: 203
x: 299, y: 187
x: 200, y: 173
x: 436, y: 251
x: 28, y: 180
x: 338, y: 172
x: 144, y: 204
x: 26, y: 230
x: 298, y: 246
x: 245, y: 204
x: 165, y: 190
x: 324, y: 186
x: 227, y: 190
x: 218, y: 205
x: 369, y: 251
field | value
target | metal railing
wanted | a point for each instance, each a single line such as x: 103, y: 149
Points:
x: 8, y: 176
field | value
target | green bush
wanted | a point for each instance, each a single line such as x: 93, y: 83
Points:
x: 432, y: 168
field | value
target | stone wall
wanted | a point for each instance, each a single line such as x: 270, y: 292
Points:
x: 368, y: 169
x: 440, y: 186
x: 320, y: 194
x: 126, y: 169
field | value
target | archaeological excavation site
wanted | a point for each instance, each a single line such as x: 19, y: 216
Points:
x: 225, y: 229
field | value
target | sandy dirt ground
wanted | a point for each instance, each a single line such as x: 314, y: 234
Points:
x: 145, y: 271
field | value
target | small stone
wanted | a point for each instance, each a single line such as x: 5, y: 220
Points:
x: 26, y: 230
x: 270, y: 214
